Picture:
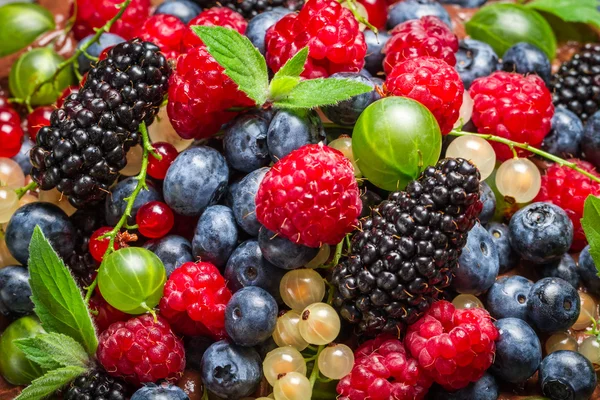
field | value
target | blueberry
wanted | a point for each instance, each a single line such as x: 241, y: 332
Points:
x: 245, y: 142
x: 541, y: 232
x: 375, y: 56
x: 15, y: 292
x: 165, y: 391
x: 507, y: 298
x: 478, y: 264
x: 231, y: 371
x: 518, y: 351
x: 53, y: 222
x: 243, y: 204
x: 195, y: 347
x: 564, y: 139
x: 553, y: 305
x: 506, y: 255
x: 258, y: 26
x: 292, y: 129
x: 565, y: 268
x: 347, y: 112
x: 415, y: 9
x: 250, y: 316
x: 172, y: 250
x: 216, y: 235
x: 22, y: 158
x: 525, y: 58
x: 196, y: 179
x: 488, y: 198
x: 588, y: 272
x: 465, y: 3
x: 486, y: 388
x: 590, y: 144
x: 566, y: 374
x: 116, y: 202
x: 282, y: 252
x: 369, y: 200
x: 185, y: 10
x: 474, y: 59
x: 106, y: 40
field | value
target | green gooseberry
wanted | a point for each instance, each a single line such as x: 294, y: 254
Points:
x: 132, y: 280
x: 14, y: 366
x: 20, y: 24
x: 394, y: 139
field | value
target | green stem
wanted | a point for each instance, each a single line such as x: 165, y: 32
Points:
x: 352, y: 6
x: 21, y: 191
x: 525, y: 146
x: 314, y: 374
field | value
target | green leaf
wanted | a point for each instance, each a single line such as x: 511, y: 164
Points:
x: 54, y: 350
x: 282, y: 86
x: 57, y: 299
x: 322, y: 92
x: 49, y: 383
x: 502, y: 25
x: 570, y: 31
x: 591, y: 226
x: 288, y: 77
x: 585, y: 11
x: 242, y: 62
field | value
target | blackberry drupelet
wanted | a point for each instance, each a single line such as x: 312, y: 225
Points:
x: 576, y: 85
x: 96, y: 385
x: 84, y: 148
x: 251, y: 8
x: 404, y: 253
x: 81, y: 262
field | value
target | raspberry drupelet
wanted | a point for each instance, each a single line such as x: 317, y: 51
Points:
x: 165, y: 31
x: 216, y: 16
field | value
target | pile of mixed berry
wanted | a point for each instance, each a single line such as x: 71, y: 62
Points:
x: 294, y: 200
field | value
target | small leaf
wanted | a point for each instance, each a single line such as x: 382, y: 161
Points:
x: 322, y: 92
x: 282, y: 86
x: 242, y: 62
x: 53, y: 350
x: 591, y: 226
x: 585, y: 11
x: 49, y: 383
x: 57, y: 299
x: 294, y: 66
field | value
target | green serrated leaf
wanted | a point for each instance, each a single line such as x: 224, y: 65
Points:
x: 242, y: 62
x: 282, y: 86
x: 49, y: 383
x: 294, y: 66
x: 58, y: 301
x: 585, y: 11
x: 322, y: 92
x: 54, y: 350
x: 591, y: 226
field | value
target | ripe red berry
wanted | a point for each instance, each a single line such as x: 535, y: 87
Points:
x: 8, y: 114
x: 94, y: 14
x: 4, y: 102
x: 11, y: 137
x: 377, y: 11
x: 158, y: 168
x: 331, y: 33
x: 154, y: 219
x: 164, y: 30
x: 512, y: 106
x: 98, y: 247
x: 37, y: 119
x: 141, y: 350
x: 433, y: 83
x: 428, y: 36
x: 216, y: 16
x: 310, y: 196
x: 104, y: 314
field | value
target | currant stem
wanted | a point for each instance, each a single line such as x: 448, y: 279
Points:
x: 314, y: 374
x: 21, y: 191
x: 526, y: 146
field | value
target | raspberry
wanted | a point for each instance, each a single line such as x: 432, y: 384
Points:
x: 331, y: 33
x: 194, y: 300
x: 568, y: 189
x: 96, y: 13
x: 96, y: 385
x: 433, y: 83
x: 310, y: 196
x: 384, y: 370
x: 141, y: 350
x: 165, y: 31
x: 455, y: 347
x: 428, y: 36
x: 200, y: 94
x: 104, y: 314
x: 216, y: 16
x: 512, y: 106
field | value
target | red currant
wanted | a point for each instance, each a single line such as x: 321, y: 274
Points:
x: 4, y: 102
x: 11, y: 136
x: 9, y: 115
x: 155, y: 219
x: 37, y: 119
x: 158, y: 168
x: 98, y: 247
x: 377, y: 11
x: 69, y: 90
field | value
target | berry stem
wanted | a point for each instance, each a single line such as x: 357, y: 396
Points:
x: 526, y: 146
x: 21, y: 191
x: 352, y: 7
x: 314, y: 374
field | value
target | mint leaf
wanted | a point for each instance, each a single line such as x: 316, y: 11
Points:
x: 49, y: 383
x: 585, y: 11
x: 322, y: 92
x: 57, y: 299
x: 591, y: 226
x: 294, y: 66
x: 54, y: 350
x: 242, y: 62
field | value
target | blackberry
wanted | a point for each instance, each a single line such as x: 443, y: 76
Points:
x: 84, y: 148
x: 96, y: 385
x: 576, y: 85
x: 251, y: 8
x: 404, y: 253
x: 81, y: 262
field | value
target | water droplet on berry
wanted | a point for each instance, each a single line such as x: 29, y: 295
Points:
x: 9, y: 202
x: 519, y: 178
x: 286, y: 331
x: 590, y: 349
x: 466, y: 301
x: 321, y: 257
x: 319, y: 324
x: 560, y: 341
x: 283, y: 360
x: 55, y: 197
x: 301, y: 287
x: 336, y: 361
x: 344, y: 145
x: 587, y: 313
x: 476, y: 150
x: 292, y: 386
x: 465, y: 112
x: 11, y: 174
x: 134, y: 162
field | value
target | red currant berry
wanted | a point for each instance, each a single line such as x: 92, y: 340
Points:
x: 11, y: 136
x: 158, y: 168
x: 98, y: 247
x: 377, y: 11
x: 9, y: 115
x: 69, y: 90
x: 155, y: 219
x: 4, y: 102
x: 37, y: 119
